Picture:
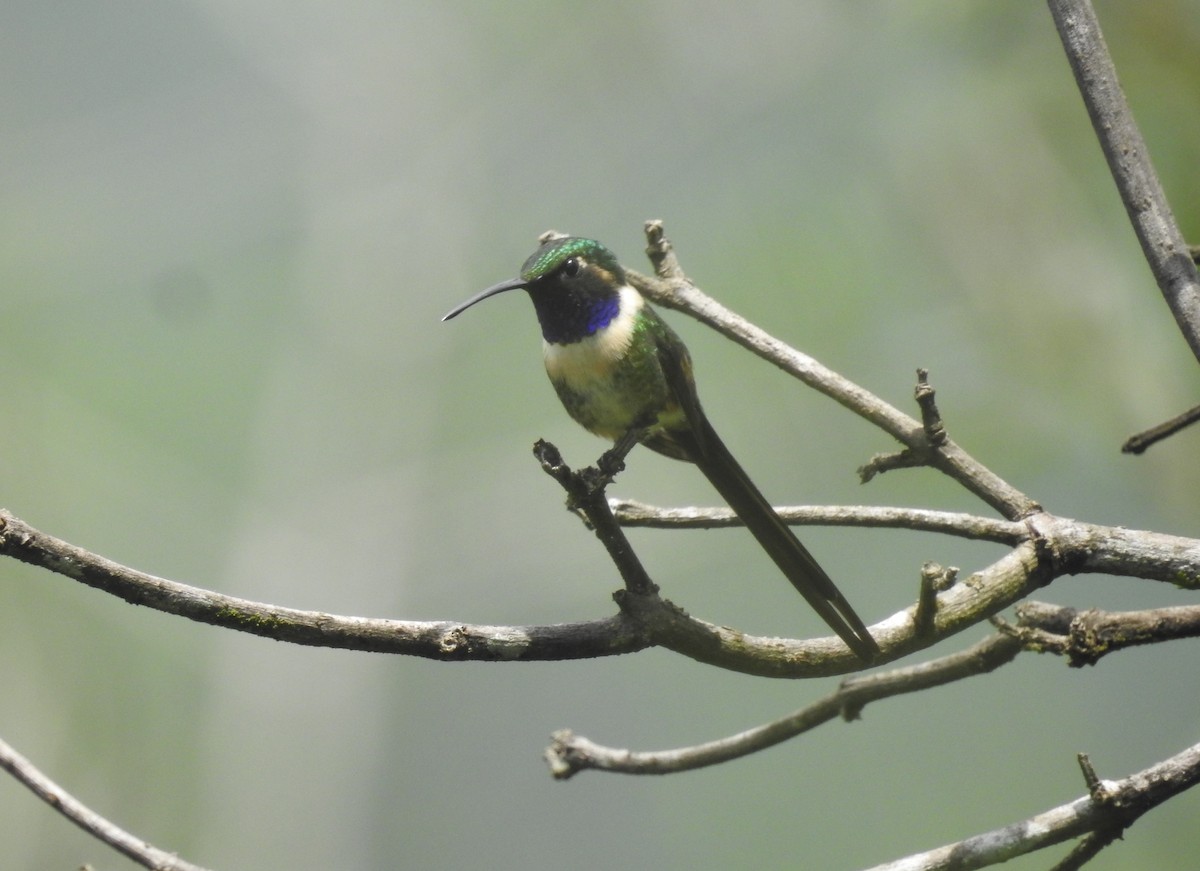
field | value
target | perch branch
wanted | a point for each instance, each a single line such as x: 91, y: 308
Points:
x: 585, y: 495
x: 1055, y: 546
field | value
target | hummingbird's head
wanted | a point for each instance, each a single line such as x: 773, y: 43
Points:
x: 567, y: 260
x: 575, y: 286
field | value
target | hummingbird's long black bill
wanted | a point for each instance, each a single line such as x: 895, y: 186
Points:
x: 511, y: 284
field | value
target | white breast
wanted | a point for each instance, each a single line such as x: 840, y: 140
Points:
x: 592, y: 358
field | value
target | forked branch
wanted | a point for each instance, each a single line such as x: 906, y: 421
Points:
x: 1108, y: 809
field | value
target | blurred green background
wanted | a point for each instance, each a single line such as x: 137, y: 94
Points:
x: 229, y: 230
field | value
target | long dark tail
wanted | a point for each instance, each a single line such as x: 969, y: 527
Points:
x: 793, y: 559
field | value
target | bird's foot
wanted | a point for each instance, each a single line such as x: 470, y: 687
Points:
x: 610, y: 464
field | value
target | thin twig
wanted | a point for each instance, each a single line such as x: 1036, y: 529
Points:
x: 1088, y: 849
x: 1172, y: 262
x: 87, y: 819
x: 1130, y: 164
x: 630, y: 512
x: 1138, y: 443
x: 570, y: 753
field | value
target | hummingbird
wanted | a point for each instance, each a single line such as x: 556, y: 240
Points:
x: 621, y: 372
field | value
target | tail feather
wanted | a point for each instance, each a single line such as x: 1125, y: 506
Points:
x: 793, y: 559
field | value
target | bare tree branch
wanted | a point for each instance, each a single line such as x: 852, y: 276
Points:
x: 671, y: 288
x: 1171, y: 261
x: 570, y: 753
x: 1040, y: 547
x: 630, y: 512
x: 585, y: 495
x: 1084, y: 637
x: 1114, y: 550
x: 1130, y: 164
x: 442, y: 640
x: 1105, y: 811
x: 91, y: 822
x: 1054, y: 546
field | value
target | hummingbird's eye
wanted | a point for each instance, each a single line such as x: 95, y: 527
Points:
x: 572, y: 268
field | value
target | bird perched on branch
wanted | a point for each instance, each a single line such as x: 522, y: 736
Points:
x: 622, y: 373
